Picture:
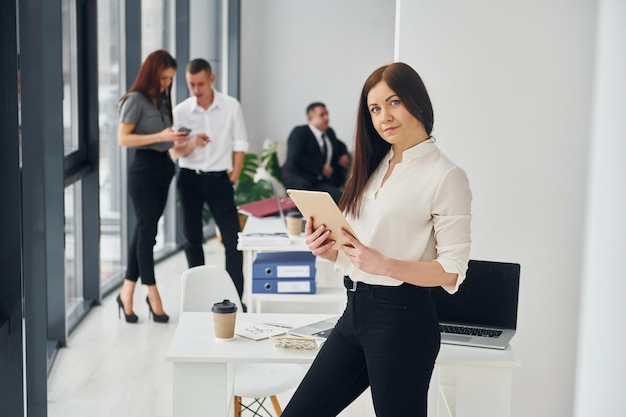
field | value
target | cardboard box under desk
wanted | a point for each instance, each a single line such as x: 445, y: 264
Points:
x: 284, y: 272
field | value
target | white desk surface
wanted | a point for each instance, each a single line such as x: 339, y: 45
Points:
x: 296, y: 245
x: 193, y: 341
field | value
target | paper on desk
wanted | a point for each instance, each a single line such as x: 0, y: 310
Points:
x: 302, y: 286
x: 265, y: 231
x: 256, y: 331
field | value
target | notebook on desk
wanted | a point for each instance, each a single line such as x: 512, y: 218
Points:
x: 483, y: 312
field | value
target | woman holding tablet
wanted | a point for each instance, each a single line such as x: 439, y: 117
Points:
x: 410, y: 207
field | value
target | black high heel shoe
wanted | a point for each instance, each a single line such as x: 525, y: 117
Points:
x: 130, y: 318
x: 158, y: 318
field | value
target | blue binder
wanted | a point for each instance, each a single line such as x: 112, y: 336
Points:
x: 283, y: 286
x: 284, y: 265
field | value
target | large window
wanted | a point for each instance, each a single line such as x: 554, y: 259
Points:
x: 73, y: 248
x: 73, y: 151
x: 70, y: 81
x: 157, y: 33
x: 112, y: 197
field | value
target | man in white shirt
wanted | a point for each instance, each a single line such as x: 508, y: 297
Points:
x: 210, y: 162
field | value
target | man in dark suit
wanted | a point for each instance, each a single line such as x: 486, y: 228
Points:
x: 316, y: 159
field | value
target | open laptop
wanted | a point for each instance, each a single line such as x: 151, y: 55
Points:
x: 483, y: 312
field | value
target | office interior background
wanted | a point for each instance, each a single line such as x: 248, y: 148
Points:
x: 529, y: 99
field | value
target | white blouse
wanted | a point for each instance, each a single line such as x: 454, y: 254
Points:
x: 421, y: 213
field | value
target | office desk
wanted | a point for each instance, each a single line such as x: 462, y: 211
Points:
x: 203, y: 367
x: 466, y: 382
x: 332, y: 295
x: 472, y: 382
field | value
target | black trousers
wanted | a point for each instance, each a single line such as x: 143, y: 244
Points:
x: 216, y: 190
x: 388, y: 339
x: 149, y: 178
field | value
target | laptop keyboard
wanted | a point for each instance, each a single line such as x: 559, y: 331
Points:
x: 469, y: 331
x: 323, y: 334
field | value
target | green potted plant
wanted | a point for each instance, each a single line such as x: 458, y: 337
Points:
x: 254, y: 183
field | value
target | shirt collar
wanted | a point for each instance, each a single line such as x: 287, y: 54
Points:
x: 218, y: 99
x: 416, y: 151
x: 318, y: 133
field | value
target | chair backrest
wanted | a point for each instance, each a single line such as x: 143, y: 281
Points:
x: 204, y: 285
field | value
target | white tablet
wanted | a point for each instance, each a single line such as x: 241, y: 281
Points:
x: 321, y: 206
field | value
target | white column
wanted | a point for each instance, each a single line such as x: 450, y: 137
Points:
x: 601, y: 363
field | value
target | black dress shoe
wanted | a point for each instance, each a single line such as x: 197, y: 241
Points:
x: 158, y: 318
x: 130, y: 318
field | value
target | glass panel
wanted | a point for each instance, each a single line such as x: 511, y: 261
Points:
x: 73, y: 248
x: 112, y: 170
x: 70, y: 82
x: 156, y: 34
x: 155, y: 28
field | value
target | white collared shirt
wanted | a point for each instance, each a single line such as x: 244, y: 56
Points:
x: 421, y: 213
x: 222, y: 122
x: 320, y: 141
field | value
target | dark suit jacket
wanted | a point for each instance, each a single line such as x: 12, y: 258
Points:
x: 306, y: 161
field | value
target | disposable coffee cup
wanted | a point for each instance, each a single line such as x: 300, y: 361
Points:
x: 224, y: 314
x: 294, y: 223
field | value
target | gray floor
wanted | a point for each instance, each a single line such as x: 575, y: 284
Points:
x: 112, y: 368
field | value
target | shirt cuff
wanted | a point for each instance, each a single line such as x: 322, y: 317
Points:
x: 342, y: 264
x: 240, y: 146
x: 453, y: 267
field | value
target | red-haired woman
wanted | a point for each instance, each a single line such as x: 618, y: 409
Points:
x: 410, y: 207
x: 145, y: 124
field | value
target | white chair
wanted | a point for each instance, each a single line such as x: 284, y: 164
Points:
x: 204, y: 285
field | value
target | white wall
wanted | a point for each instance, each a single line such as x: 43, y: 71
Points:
x: 601, y: 365
x: 297, y: 52
x: 511, y: 84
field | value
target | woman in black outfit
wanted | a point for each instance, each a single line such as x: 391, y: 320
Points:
x: 145, y: 124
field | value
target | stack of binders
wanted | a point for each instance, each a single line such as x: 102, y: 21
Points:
x: 284, y: 273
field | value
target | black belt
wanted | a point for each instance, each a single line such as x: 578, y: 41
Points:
x: 210, y: 174
x: 358, y: 285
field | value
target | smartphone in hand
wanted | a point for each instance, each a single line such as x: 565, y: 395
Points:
x: 185, y: 130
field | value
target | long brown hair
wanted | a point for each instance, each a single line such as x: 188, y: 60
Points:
x: 370, y: 148
x: 148, y: 81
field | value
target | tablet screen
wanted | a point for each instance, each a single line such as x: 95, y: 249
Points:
x: 321, y: 206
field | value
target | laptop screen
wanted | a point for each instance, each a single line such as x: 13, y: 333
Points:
x: 488, y: 296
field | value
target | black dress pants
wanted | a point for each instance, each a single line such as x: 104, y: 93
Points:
x: 388, y: 339
x: 149, y: 178
x: 214, y: 188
